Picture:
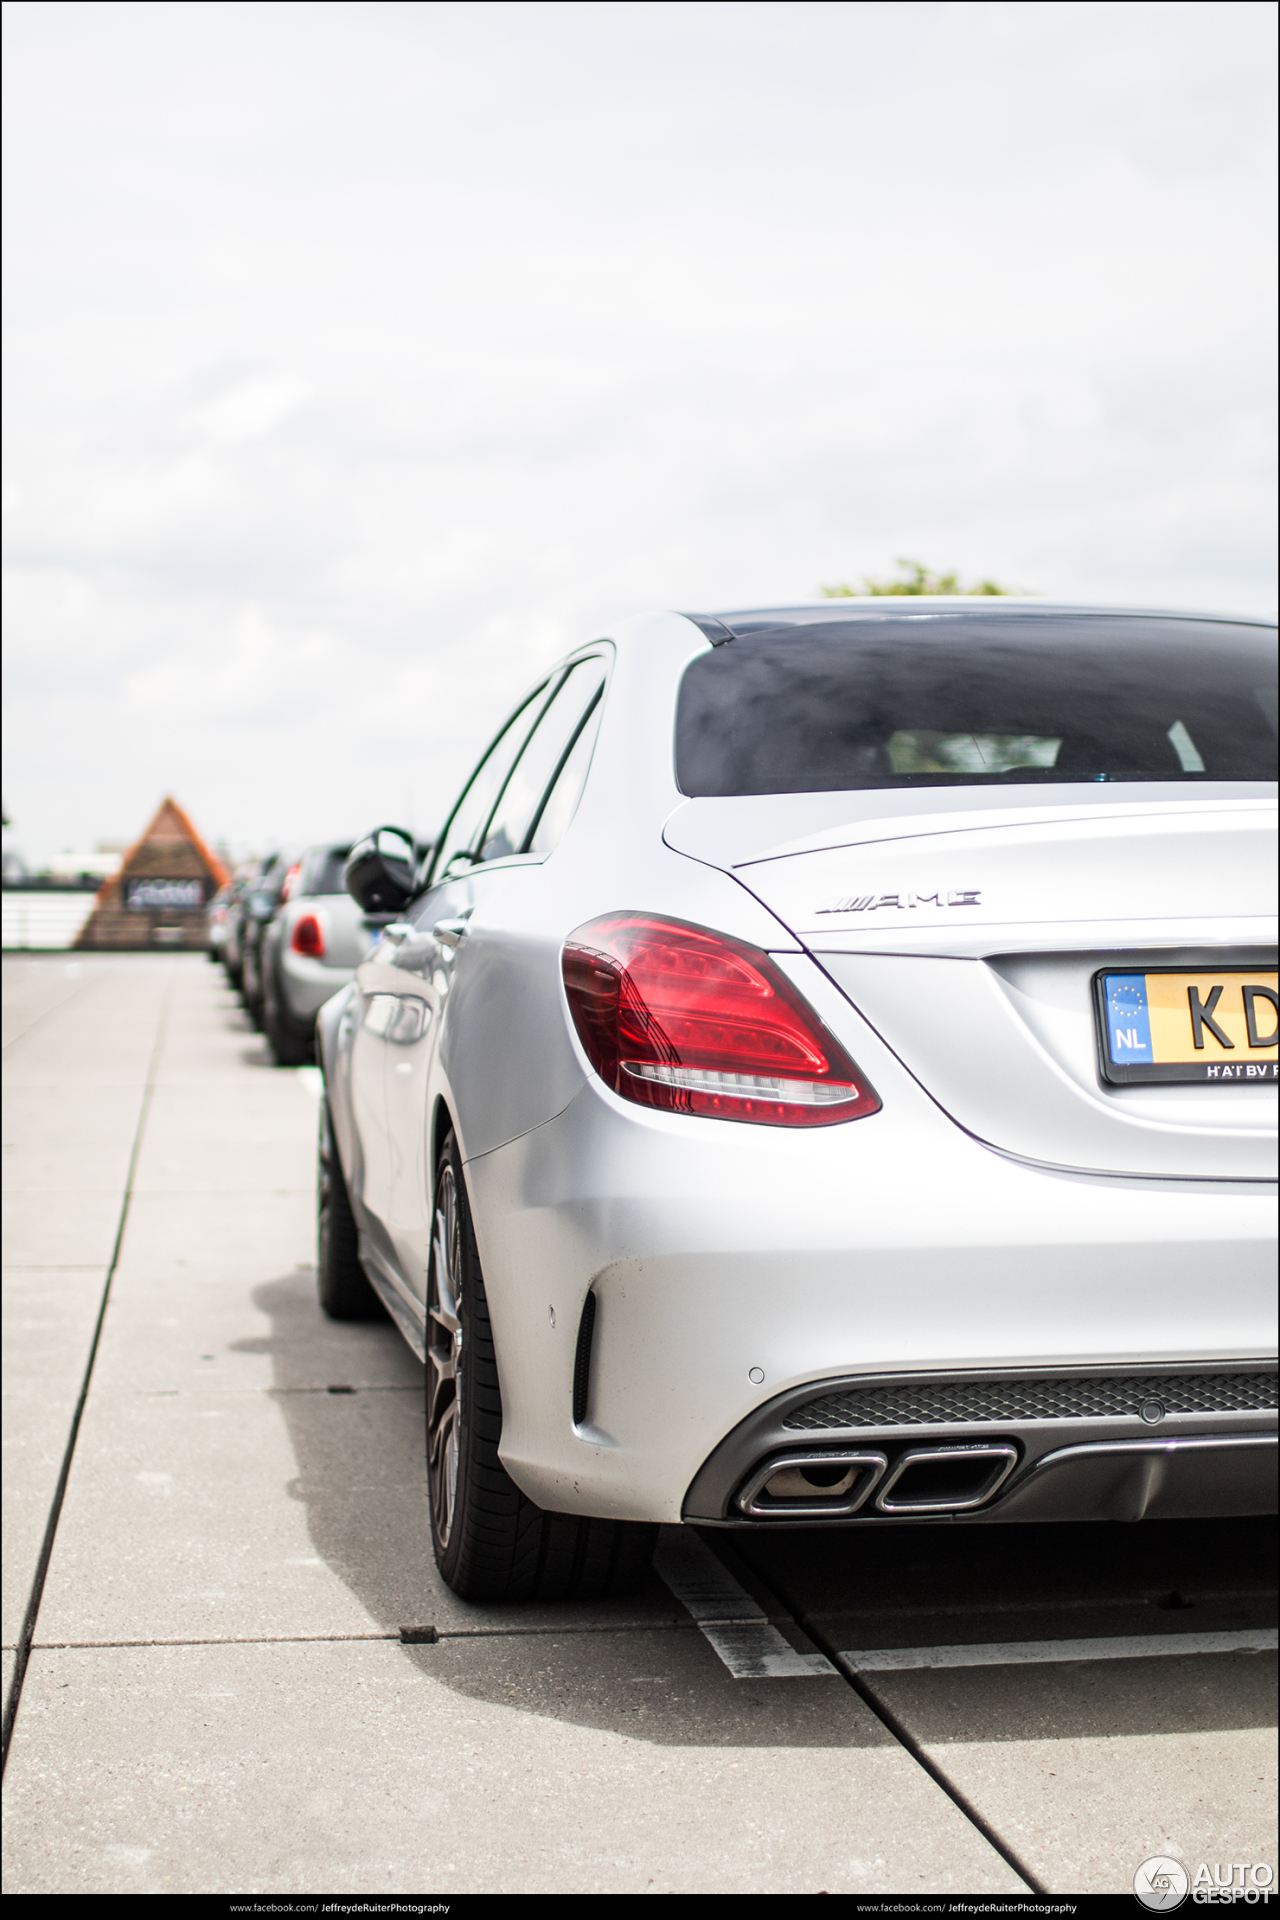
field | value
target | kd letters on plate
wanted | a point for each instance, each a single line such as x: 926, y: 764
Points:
x: 1204, y: 1027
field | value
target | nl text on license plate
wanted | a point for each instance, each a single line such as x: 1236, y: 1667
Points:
x: 1219, y: 1027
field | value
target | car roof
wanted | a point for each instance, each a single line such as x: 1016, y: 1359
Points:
x: 734, y: 623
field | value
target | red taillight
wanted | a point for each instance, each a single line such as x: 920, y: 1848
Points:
x: 290, y: 881
x: 308, y: 937
x: 678, y: 1017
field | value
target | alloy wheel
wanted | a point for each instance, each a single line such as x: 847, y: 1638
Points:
x: 444, y: 1356
x: 324, y: 1181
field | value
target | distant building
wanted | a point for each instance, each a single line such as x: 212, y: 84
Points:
x: 158, y: 895
x: 97, y: 866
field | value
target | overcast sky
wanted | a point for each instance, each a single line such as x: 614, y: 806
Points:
x: 363, y: 357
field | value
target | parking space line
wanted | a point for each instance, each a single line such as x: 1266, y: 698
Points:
x: 1032, y: 1653
x: 731, y: 1621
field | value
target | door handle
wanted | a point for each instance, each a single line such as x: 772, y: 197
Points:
x: 398, y: 930
x: 449, y: 932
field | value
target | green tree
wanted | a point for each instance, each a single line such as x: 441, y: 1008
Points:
x: 915, y: 578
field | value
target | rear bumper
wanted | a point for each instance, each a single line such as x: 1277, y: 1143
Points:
x: 305, y: 985
x: 735, y: 1267
x: 1193, y: 1478
x: 1168, y: 1465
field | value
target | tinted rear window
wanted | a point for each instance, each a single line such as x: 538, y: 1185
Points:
x: 323, y: 873
x: 940, y: 700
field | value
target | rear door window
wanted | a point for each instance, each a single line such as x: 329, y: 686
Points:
x: 561, y: 802
x: 962, y: 699
x: 324, y: 870
x: 457, y: 844
x: 542, y: 757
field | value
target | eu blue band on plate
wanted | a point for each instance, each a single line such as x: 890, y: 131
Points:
x: 1128, y: 1023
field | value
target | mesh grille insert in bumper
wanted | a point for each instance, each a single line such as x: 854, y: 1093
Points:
x: 920, y: 1403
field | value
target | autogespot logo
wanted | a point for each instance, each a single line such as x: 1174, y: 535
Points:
x: 1161, y: 1884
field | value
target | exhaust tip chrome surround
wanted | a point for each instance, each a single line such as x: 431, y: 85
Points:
x: 1000, y: 1459
x: 797, y: 1497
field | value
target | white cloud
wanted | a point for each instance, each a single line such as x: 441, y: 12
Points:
x: 363, y: 356
x: 245, y: 409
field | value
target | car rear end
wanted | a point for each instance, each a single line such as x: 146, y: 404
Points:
x: 236, y: 921
x: 216, y: 926
x: 1027, y: 1270
x: 314, y: 945
x: 261, y: 903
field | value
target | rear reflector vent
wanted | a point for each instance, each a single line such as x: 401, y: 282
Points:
x: 582, y: 1360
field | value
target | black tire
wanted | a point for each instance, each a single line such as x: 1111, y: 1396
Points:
x: 490, y: 1541
x: 345, y: 1292
x: 289, y: 1048
x: 251, y: 986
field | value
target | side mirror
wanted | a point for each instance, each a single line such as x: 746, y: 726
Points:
x: 381, y: 870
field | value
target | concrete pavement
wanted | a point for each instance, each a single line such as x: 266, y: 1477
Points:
x: 1080, y: 1765
x: 217, y: 1698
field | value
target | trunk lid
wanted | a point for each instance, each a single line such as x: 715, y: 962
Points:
x: 971, y: 938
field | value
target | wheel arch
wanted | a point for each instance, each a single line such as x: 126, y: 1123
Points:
x: 442, y: 1125
x: 328, y: 1020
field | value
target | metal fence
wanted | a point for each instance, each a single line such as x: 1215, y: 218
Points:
x: 44, y: 919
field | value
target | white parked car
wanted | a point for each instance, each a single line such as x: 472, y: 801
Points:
x: 826, y: 1075
x: 307, y: 950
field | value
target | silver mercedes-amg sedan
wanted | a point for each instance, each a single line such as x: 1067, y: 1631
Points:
x: 825, y: 1074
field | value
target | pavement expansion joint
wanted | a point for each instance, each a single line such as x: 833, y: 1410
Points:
x: 26, y: 1637
x: 227, y: 1193
x: 58, y: 1005
x: 208, y: 1382
x: 61, y: 1266
x: 550, y: 1632
x: 402, y: 1636
x: 373, y: 1387
x: 215, y: 1640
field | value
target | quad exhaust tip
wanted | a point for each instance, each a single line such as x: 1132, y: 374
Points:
x: 946, y: 1479
x: 832, y: 1484
x: 829, y: 1485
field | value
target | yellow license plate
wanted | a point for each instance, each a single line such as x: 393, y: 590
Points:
x: 1219, y: 1027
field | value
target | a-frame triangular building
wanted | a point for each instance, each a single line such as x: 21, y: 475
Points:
x: 159, y: 894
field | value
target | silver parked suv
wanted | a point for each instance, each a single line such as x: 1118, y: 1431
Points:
x: 311, y: 949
